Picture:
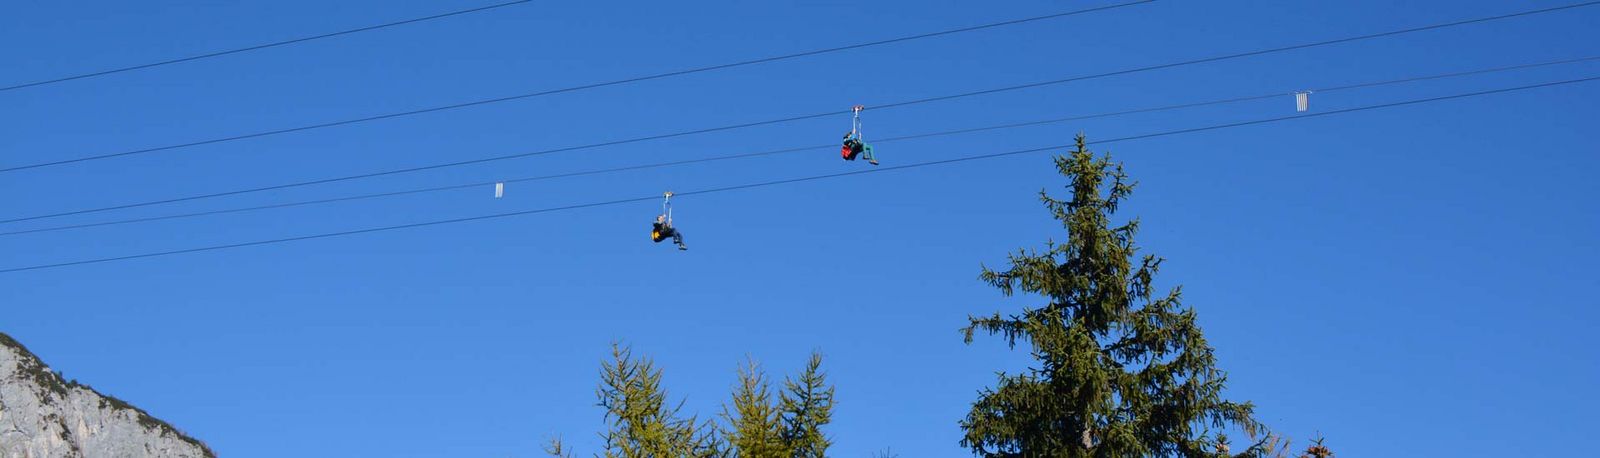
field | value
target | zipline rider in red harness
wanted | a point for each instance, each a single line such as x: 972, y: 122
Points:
x: 853, y: 146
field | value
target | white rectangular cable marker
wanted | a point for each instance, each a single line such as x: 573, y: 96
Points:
x: 499, y: 190
x: 1300, y: 102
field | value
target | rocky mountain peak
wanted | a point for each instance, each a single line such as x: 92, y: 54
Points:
x: 43, y: 415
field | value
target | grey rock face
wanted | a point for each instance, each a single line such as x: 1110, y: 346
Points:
x: 44, y: 416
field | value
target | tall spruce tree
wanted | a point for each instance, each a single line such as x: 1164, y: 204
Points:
x: 1119, y: 372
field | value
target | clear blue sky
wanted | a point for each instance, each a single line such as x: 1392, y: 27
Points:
x: 1408, y: 282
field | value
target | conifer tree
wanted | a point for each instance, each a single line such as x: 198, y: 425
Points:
x: 789, y: 428
x: 642, y: 425
x: 1119, y: 372
x: 1317, y: 450
x: 1274, y: 445
x: 755, y: 428
x: 807, y: 404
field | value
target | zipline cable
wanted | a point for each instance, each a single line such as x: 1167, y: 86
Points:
x: 577, y: 88
x: 815, y: 52
x: 788, y: 119
x: 653, y: 197
x: 797, y: 149
x: 260, y: 46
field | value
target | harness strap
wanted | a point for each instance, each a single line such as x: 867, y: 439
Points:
x: 855, y: 121
x: 666, y: 208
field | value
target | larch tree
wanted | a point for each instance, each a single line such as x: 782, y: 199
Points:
x: 754, y: 423
x: 789, y: 428
x: 807, y: 405
x: 642, y: 424
x: 1119, y: 371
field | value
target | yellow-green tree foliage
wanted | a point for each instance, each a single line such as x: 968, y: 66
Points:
x: 754, y: 423
x: 641, y: 425
x: 791, y: 427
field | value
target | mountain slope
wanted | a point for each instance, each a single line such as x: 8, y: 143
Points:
x: 45, y: 416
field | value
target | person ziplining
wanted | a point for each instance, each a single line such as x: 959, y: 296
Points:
x: 662, y: 228
x: 853, y: 144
